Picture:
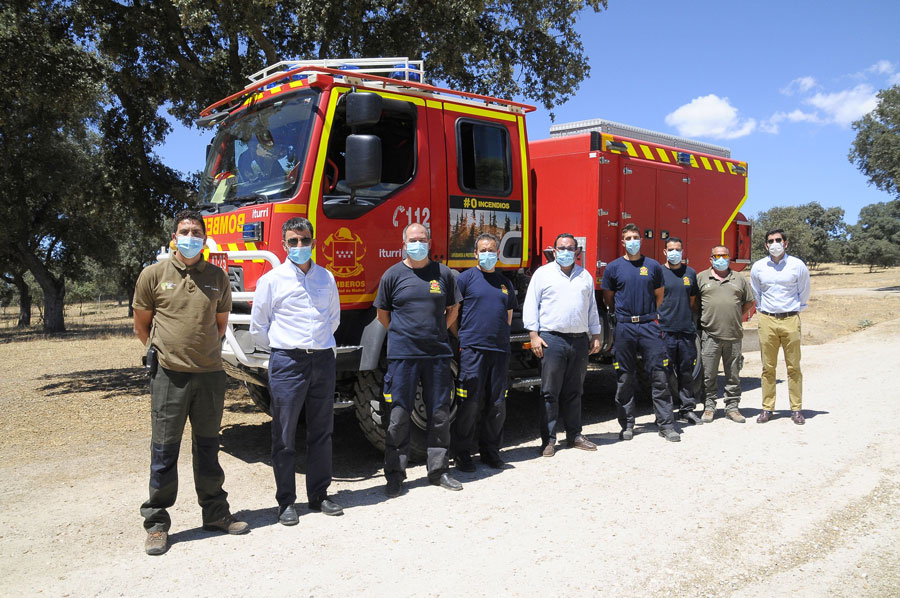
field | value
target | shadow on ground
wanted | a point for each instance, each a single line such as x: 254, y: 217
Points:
x: 112, y: 382
x: 73, y: 331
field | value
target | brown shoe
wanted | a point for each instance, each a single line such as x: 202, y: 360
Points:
x: 708, y: 415
x: 549, y: 450
x: 582, y: 443
x: 764, y: 416
x: 156, y: 543
x: 798, y: 418
x: 227, y: 524
x: 735, y: 416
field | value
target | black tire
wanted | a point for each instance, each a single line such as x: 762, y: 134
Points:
x: 260, y: 396
x: 371, y: 412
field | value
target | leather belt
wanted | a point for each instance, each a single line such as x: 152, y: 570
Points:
x: 567, y: 334
x: 637, y: 319
x: 306, y: 351
x: 780, y: 316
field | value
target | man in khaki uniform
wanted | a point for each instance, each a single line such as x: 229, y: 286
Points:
x: 725, y: 298
x: 181, y: 306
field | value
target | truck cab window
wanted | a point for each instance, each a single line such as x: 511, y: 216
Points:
x: 397, y: 131
x: 484, y: 161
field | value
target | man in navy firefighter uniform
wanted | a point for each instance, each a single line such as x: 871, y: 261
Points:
x: 417, y: 301
x: 633, y: 288
x: 488, y: 301
x: 676, y: 318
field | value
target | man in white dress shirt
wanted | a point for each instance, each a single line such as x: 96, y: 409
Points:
x: 560, y: 310
x: 296, y: 310
x: 780, y: 283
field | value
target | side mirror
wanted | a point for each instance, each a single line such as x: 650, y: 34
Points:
x: 363, y: 109
x: 363, y: 158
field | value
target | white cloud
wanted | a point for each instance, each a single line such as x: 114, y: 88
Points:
x: 844, y: 107
x: 770, y: 125
x: 895, y: 79
x: 882, y: 67
x: 799, y: 85
x: 710, y: 116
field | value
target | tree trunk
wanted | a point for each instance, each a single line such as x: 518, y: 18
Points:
x: 24, y: 301
x: 54, y: 288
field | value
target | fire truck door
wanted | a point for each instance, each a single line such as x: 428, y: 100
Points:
x: 672, y: 215
x: 484, y: 185
x: 639, y: 206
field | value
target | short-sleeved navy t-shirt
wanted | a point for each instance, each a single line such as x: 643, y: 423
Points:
x: 675, y: 313
x: 417, y: 299
x: 634, y: 284
x: 486, y: 299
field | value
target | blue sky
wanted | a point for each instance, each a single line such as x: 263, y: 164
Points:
x: 777, y: 82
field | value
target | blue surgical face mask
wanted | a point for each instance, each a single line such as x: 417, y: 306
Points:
x: 633, y: 247
x: 721, y: 263
x: 189, y: 246
x: 300, y: 255
x: 487, y: 260
x: 674, y: 256
x: 416, y: 250
x: 565, y: 258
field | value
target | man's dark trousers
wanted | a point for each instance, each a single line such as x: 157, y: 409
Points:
x: 480, y: 394
x: 175, y: 397
x: 297, y: 378
x: 681, y: 349
x: 563, y: 368
x: 646, y: 338
x: 400, y: 384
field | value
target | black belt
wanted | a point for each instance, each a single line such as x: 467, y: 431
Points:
x: 566, y: 334
x: 637, y: 319
x: 303, y: 351
x: 780, y: 316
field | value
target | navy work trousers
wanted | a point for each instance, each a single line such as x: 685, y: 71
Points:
x: 297, y: 378
x: 648, y: 339
x: 401, y: 383
x: 175, y: 397
x: 563, y: 368
x: 681, y: 349
x: 481, y: 395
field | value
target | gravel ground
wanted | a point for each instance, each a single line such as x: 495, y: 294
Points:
x: 733, y: 510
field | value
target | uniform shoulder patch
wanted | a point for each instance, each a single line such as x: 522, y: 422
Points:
x: 504, y: 289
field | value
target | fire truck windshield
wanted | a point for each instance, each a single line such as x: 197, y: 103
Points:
x: 259, y: 156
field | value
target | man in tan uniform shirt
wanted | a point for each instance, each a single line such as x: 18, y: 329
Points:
x: 181, y: 307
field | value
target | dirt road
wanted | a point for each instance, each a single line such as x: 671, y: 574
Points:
x: 742, y: 510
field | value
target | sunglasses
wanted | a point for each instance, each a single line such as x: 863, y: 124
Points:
x: 770, y: 241
x: 726, y: 256
x: 294, y: 241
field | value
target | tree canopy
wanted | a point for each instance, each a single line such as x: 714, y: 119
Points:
x: 876, y: 149
x: 813, y: 231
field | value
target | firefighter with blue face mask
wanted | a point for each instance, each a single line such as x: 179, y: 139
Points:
x: 676, y: 318
x: 633, y: 290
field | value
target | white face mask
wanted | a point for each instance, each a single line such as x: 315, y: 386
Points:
x: 776, y: 249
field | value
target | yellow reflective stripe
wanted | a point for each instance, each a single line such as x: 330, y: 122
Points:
x: 318, y: 172
x: 616, y: 364
x: 719, y: 165
x: 694, y: 161
x: 662, y: 155
x: 387, y: 398
x: 647, y: 153
x: 665, y: 362
x: 234, y: 247
x: 288, y: 208
x: 435, y: 105
x: 631, y: 151
x: 479, y: 112
x: 523, y: 152
x: 706, y: 164
x: 735, y: 212
x: 462, y: 392
x: 252, y: 247
x: 364, y: 298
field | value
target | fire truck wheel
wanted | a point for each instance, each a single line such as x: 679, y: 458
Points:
x: 260, y: 396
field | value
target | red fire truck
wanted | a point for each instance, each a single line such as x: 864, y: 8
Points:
x: 364, y: 147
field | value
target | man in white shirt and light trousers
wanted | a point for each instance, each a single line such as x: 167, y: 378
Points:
x: 296, y: 310
x: 560, y: 310
x: 780, y: 283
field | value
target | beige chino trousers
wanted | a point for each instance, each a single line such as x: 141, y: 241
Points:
x: 775, y: 334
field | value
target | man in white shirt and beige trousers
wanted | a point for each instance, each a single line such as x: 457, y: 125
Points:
x: 296, y: 310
